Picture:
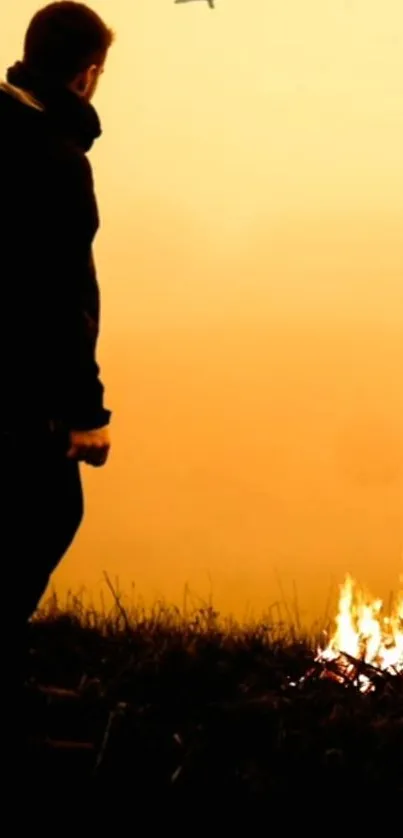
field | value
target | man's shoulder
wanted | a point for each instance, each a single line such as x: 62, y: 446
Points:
x: 21, y: 124
x: 17, y: 94
x: 42, y: 171
x: 26, y: 132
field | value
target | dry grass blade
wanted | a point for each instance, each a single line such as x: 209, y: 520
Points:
x: 118, y: 601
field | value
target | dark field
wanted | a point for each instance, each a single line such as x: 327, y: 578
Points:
x: 190, y: 712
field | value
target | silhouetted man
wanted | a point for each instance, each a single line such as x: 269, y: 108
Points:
x: 52, y: 414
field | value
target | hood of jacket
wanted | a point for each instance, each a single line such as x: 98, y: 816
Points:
x: 69, y: 116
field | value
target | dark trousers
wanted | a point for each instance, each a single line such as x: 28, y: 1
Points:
x: 41, y: 512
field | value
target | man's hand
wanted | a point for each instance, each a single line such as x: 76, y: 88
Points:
x: 91, y: 447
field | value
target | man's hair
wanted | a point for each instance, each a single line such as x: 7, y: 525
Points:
x: 64, y: 39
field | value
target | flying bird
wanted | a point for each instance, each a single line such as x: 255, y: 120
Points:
x: 210, y: 2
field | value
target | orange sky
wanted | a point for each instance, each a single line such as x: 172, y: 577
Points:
x: 250, y: 179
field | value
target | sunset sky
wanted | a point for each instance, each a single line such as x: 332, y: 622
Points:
x: 250, y: 181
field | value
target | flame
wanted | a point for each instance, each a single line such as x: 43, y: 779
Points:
x: 363, y: 632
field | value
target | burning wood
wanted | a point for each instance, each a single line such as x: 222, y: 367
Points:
x: 366, y: 642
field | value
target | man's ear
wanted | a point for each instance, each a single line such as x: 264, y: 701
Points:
x: 91, y: 77
x: 84, y: 82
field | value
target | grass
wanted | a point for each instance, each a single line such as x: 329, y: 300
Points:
x: 190, y: 710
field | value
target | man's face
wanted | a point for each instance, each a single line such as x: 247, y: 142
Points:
x: 86, y: 83
x: 93, y: 76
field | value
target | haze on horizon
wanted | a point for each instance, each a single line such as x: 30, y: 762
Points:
x: 250, y: 181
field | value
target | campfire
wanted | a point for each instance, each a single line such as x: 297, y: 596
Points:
x: 367, y: 642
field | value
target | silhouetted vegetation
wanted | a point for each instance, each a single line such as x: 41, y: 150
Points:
x: 192, y: 711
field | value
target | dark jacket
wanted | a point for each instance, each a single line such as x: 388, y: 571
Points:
x: 49, y: 293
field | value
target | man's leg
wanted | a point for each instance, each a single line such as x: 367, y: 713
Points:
x: 43, y: 511
x: 40, y: 512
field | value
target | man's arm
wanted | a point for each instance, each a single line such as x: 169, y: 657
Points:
x: 74, y: 300
x: 80, y: 388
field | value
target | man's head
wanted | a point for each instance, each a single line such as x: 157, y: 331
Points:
x: 67, y: 43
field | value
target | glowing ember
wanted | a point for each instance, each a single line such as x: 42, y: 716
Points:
x: 364, y: 633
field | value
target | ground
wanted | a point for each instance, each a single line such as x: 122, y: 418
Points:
x: 191, y: 711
